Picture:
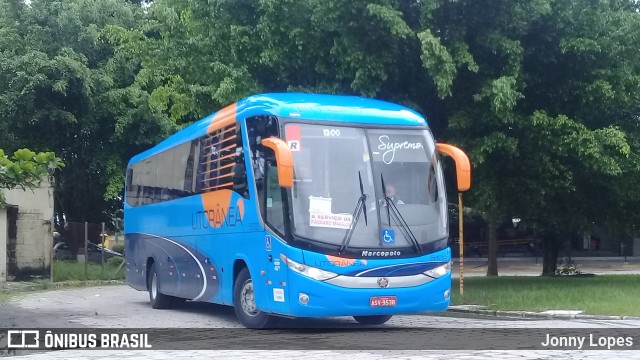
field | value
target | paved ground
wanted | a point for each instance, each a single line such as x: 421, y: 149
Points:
x: 123, y: 307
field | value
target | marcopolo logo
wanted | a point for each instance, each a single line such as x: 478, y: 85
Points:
x: 380, y: 253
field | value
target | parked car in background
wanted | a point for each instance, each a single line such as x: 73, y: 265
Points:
x: 61, y: 251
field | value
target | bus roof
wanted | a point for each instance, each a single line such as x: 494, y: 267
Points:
x: 317, y: 107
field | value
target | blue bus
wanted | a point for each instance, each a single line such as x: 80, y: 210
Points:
x: 295, y: 205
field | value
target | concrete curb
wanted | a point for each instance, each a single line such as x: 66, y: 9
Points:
x: 8, y: 288
x: 534, y: 315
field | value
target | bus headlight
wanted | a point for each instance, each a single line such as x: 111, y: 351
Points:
x: 440, y: 271
x: 308, y: 271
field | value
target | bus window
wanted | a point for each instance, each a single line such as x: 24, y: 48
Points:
x: 406, y: 160
x: 221, y: 156
x: 274, y: 211
x: 329, y: 164
x: 165, y: 176
x: 190, y: 173
x: 258, y: 128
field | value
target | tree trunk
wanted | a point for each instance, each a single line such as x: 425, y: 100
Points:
x: 492, y: 266
x: 550, y: 250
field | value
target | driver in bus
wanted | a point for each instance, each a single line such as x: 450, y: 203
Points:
x: 391, y: 194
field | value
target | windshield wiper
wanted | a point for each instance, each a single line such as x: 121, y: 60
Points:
x: 360, y: 208
x: 392, y: 211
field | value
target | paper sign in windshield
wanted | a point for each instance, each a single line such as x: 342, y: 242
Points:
x: 318, y: 204
x: 335, y: 221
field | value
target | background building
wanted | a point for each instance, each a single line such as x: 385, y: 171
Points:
x: 26, y: 232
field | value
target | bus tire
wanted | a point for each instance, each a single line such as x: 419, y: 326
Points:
x: 373, y: 319
x: 177, y: 302
x: 244, y: 303
x: 157, y: 299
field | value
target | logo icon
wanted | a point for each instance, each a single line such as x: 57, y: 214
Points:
x: 383, y: 282
x: 388, y: 236
x: 267, y: 242
x: 21, y: 339
x: 293, y: 136
x: 294, y: 145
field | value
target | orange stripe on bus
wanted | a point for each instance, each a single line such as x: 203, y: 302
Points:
x: 221, y: 176
x: 222, y: 118
x: 218, y: 187
x: 216, y: 201
x: 222, y: 141
x: 217, y: 159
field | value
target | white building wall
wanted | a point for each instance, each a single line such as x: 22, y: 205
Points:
x: 31, y: 201
x: 34, y: 241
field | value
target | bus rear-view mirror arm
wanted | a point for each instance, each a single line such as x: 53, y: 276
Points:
x: 284, y: 160
x: 463, y: 166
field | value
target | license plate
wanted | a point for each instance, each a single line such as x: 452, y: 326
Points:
x: 383, y: 301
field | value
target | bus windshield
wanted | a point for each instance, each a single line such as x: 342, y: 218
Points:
x: 331, y: 163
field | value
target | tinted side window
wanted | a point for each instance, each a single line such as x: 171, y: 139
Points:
x: 264, y: 169
x: 221, y: 162
x: 165, y: 176
x: 212, y: 162
x: 258, y: 128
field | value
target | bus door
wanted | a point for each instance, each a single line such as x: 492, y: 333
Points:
x: 265, y: 175
x: 273, y: 212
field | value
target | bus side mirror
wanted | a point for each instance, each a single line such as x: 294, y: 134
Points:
x: 284, y: 160
x: 463, y: 166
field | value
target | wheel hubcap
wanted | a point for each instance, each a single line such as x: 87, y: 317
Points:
x: 154, y: 285
x: 248, y: 300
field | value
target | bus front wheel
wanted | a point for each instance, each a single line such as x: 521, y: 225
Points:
x: 244, y: 303
x: 372, y: 319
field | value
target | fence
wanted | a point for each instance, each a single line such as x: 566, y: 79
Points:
x: 513, y: 247
x: 82, y: 251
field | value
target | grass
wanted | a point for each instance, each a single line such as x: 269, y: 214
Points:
x: 598, y: 295
x: 72, y: 270
x: 70, y: 274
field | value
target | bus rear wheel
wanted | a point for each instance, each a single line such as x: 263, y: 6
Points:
x: 244, y: 303
x: 157, y: 299
x: 372, y: 319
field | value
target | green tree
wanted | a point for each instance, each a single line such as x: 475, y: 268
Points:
x: 542, y: 94
x: 64, y: 89
x: 25, y: 169
x: 198, y: 56
x: 546, y: 109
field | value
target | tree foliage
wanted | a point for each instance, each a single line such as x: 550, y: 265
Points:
x: 25, y: 169
x: 542, y: 94
x: 548, y: 117
x: 64, y: 89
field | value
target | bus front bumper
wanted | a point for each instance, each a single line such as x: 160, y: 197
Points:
x: 326, y: 299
